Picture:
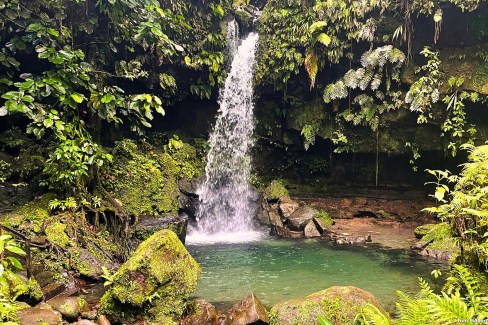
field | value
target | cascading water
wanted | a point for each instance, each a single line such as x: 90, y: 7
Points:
x: 226, y: 199
x: 232, y: 37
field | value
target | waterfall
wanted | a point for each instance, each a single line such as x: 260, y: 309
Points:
x: 232, y: 37
x: 227, y: 202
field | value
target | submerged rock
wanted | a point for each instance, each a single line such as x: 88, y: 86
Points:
x: 247, y: 311
x: 201, y: 312
x: 154, y: 284
x: 338, y: 304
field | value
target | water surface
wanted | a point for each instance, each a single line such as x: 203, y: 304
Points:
x: 278, y: 270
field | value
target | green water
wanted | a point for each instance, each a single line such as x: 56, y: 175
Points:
x: 279, y: 270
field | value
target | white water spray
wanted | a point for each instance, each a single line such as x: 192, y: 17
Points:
x: 227, y: 202
x: 232, y: 38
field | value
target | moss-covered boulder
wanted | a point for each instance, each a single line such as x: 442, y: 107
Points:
x: 437, y: 241
x: 275, y: 191
x: 145, y: 179
x: 422, y: 230
x: 338, y: 304
x: 30, y: 217
x: 69, y: 307
x: 154, y: 284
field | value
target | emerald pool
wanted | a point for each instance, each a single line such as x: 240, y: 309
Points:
x: 281, y: 269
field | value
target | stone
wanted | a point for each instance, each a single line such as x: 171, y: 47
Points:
x: 247, y: 311
x: 300, y: 217
x: 87, y: 264
x: 263, y: 217
x: 69, y: 307
x: 338, y: 304
x: 33, y: 315
x: 422, y: 230
x: 275, y: 219
x: 149, y: 225
x: 102, y: 320
x: 310, y: 230
x: 201, y: 312
x: 321, y: 225
x: 85, y: 322
x: 288, y: 206
x: 53, y: 289
x: 154, y: 284
x: 275, y: 191
x: 285, y: 232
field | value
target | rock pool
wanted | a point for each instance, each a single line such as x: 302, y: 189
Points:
x: 280, y: 269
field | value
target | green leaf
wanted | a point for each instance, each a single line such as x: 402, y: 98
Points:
x: 108, y: 98
x: 15, y: 262
x: 77, y: 98
x: 15, y: 250
x: 48, y: 122
x: 53, y: 32
x: 187, y: 60
x: 317, y: 25
x: 323, y: 38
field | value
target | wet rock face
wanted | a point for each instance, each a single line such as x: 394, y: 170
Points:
x: 247, y: 311
x: 148, y: 226
x: 338, y: 304
x: 154, y: 284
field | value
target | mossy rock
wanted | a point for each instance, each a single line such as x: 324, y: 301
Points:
x: 31, y: 216
x: 69, y: 307
x: 340, y: 305
x: 56, y: 234
x: 438, y: 242
x: 422, y: 230
x: 154, y: 283
x: 324, y: 217
x: 145, y: 180
x: 275, y: 191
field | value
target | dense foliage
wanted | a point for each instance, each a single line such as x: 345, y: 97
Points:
x: 71, y: 66
x: 322, y: 37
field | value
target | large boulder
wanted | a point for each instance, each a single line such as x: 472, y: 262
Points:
x: 149, y: 225
x: 338, y: 304
x: 300, y: 217
x: 247, y: 311
x: 288, y: 206
x: 154, y: 284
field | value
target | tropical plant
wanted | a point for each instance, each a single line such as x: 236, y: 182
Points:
x: 466, y: 209
x: 11, y: 285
